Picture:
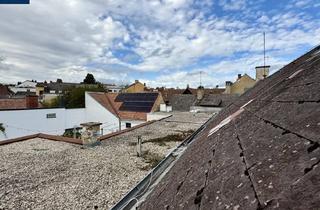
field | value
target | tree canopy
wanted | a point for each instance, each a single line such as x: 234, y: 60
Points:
x: 89, y: 79
x: 75, y: 98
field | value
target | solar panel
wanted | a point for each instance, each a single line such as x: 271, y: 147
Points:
x: 136, y: 102
x: 136, y: 106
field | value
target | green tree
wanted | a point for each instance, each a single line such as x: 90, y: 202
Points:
x: 75, y: 97
x: 89, y: 79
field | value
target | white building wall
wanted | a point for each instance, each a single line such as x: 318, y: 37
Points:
x: 133, y: 123
x: 19, y: 123
x: 95, y: 112
x: 31, y: 121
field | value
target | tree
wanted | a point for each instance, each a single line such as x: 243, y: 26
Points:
x: 59, y: 80
x: 89, y: 79
x: 75, y: 97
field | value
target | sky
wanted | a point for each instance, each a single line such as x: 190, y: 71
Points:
x: 160, y: 42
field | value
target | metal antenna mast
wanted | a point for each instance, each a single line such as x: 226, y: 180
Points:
x: 264, y: 48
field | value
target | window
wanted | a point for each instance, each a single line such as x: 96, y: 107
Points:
x: 128, y: 125
x: 51, y: 115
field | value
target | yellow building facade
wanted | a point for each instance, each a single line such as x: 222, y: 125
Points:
x: 241, y: 85
x: 136, y: 87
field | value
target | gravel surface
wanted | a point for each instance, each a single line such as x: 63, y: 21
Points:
x: 44, y: 174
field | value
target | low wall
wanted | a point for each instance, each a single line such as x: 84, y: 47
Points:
x: 24, y: 122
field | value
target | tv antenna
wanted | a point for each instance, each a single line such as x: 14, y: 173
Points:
x: 264, y: 48
x: 200, y: 78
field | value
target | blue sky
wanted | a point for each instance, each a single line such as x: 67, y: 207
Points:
x: 160, y: 42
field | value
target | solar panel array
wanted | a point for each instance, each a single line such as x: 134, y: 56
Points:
x: 136, y: 102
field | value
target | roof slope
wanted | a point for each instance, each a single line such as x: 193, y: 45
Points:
x: 261, y: 152
x: 217, y: 100
x: 132, y: 106
x: 182, y: 102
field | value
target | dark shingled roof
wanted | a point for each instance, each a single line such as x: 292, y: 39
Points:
x: 217, y: 100
x: 261, y: 152
x: 182, y: 102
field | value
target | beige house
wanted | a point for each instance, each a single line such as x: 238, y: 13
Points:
x: 241, y: 85
x: 245, y: 82
x: 136, y: 87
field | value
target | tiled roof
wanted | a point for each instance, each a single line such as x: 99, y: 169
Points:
x: 108, y: 100
x: 261, y: 152
x: 168, y: 93
x: 182, y: 102
x: 217, y: 100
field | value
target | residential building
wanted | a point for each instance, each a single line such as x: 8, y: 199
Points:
x: 114, y: 111
x: 25, y: 88
x: 125, y: 109
x: 136, y: 87
x: 245, y: 82
x: 112, y: 88
x: 241, y: 85
x: 168, y: 93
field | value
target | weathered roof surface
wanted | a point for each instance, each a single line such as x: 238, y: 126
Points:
x: 112, y: 102
x: 168, y: 93
x: 44, y: 174
x: 217, y: 100
x: 182, y: 102
x: 262, y: 152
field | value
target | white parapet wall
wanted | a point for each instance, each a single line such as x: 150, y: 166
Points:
x: 19, y: 123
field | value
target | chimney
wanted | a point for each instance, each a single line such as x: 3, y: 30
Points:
x: 144, y: 84
x: 262, y: 72
x: 228, y: 87
x: 136, y: 81
x: 32, y: 101
x: 200, y: 93
x: 239, y: 76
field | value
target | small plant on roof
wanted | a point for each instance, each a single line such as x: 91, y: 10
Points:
x: 2, y: 129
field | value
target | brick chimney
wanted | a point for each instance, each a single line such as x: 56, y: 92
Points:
x: 32, y: 101
x: 228, y: 87
x: 200, y: 93
x: 239, y: 76
x: 262, y: 72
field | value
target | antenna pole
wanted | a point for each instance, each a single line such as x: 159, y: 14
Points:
x: 264, y: 49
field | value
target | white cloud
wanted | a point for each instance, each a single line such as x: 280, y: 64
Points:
x: 70, y: 38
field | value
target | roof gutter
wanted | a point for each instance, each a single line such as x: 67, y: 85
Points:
x: 145, y: 186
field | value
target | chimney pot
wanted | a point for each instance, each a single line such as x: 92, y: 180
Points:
x: 200, y: 93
